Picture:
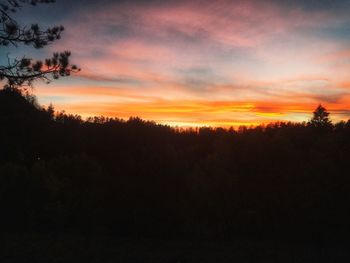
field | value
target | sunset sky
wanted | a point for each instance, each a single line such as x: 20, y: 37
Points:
x: 195, y: 63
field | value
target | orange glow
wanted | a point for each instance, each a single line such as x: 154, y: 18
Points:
x: 215, y: 63
x: 121, y: 103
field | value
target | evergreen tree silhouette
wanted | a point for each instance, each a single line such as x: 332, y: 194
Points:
x: 320, y: 117
x: 21, y: 72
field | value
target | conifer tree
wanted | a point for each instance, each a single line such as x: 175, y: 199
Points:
x: 320, y: 117
x: 22, y: 72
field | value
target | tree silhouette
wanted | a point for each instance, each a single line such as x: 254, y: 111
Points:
x: 60, y: 172
x: 23, y: 71
x: 320, y: 117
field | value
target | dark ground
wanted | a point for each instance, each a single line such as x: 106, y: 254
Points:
x: 60, y: 174
x: 101, y: 248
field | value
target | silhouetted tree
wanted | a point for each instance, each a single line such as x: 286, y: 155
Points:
x: 320, y: 117
x: 18, y: 72
x: 60, y: 172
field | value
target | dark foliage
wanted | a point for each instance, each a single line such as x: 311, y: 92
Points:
x: 58, y: 172
x: 320, y: 118
x: 21, y: 72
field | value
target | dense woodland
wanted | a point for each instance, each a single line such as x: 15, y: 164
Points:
x: 61, y: 173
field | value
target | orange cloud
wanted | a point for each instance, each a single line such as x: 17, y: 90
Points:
x: 217, y: 63
x: 111, y: 102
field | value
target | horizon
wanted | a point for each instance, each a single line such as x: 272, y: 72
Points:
x: 32, y: 100
x: 198, y: 64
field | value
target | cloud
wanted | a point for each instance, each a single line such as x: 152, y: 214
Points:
x: 123, y: 103
x: 204, y: 61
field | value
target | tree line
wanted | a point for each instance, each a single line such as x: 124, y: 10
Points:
x: 61, y: 173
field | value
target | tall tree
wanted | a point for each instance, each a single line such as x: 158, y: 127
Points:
x: 22, y: 72
x: 320, y: 117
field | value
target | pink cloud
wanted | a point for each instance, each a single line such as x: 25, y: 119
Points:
x: 256, y: 54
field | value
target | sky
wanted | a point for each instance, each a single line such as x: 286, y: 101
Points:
x: 199, y: 63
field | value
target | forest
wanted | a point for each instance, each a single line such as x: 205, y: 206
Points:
x: 104, y: 189
x: 60, y: 173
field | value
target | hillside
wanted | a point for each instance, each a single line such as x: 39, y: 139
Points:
x: 136, y: 177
